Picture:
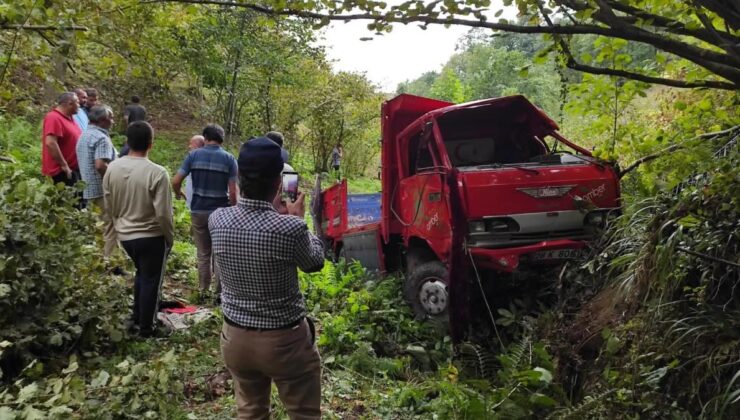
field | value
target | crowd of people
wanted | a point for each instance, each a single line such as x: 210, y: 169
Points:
x: 250, y: 240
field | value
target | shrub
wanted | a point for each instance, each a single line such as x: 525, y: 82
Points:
x: 54, y: 296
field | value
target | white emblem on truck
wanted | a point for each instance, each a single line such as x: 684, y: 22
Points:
x: 595, y: 192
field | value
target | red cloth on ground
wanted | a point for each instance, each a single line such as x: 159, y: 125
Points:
x: 184, y: 310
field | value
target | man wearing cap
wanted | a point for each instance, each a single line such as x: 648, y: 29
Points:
x: 214, y: 175
x: 266, y: 336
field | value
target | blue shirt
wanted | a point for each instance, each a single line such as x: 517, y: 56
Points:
x: 81, y: 119
x: 211, y: 169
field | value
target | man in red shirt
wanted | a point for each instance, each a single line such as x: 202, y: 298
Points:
x: 59, y: 141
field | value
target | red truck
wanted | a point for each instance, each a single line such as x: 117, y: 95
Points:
x: 469, y: 193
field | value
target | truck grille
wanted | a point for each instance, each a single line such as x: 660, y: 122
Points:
x: 502, y: 240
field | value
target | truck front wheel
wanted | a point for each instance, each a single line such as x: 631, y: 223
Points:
x: 425, y: 289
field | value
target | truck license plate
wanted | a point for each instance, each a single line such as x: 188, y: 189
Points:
x: 558, y: 254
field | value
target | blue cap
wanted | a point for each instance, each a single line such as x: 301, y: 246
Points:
x: 260, y: 157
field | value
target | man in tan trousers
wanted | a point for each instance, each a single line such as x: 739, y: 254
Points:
x: 266, y: 336
x: 95, y: 152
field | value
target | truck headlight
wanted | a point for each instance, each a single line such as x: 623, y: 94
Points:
x: 477, y: 226
x: 595, y: 219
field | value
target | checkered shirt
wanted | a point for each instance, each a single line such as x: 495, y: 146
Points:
x: 256, y: 251
x: 94, y: 143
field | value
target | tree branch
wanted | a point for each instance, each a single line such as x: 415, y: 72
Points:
x: 721, y: 64
x: 728, y: 45
x: 5, y: 27
x: 725, y: 9
x: 573, y: 64
x: 46, y: 38
x: 672, y: 148
x: 707, y: 257
x: 713, y: 84
x: 671, y: 25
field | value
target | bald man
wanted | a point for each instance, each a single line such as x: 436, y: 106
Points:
x: 196, y: 142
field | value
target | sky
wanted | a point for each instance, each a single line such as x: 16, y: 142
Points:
x: 404, y: 54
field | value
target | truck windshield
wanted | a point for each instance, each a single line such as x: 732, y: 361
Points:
x: 506, y: 149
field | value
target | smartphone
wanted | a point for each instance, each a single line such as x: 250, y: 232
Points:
x: 290, y: 185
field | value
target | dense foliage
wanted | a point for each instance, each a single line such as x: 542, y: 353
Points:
x: 246, y: 71
x: 646, y: 327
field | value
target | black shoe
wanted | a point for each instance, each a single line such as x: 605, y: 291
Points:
x: 160, y: 332
x: 118, y: 271
x: 131, y: 326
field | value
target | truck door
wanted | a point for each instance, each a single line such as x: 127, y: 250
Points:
x: 423, y: 211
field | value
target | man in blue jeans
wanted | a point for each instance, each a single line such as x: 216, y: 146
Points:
x: 213, y: 172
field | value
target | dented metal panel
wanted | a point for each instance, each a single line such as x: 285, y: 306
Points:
x: 364, y: 247
x: 362, y: 209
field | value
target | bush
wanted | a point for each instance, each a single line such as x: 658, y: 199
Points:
x: 21, y: 141
x: 54, y: 296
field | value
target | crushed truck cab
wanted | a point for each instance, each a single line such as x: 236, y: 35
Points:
x: 492, y: 179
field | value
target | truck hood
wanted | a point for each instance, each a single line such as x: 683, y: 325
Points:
x: 552, y: 188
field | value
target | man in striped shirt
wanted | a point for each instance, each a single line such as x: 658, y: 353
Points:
x: 213, y: 173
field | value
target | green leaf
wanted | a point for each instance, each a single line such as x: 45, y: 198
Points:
x: 32, y: 413
x: 505, y: 312
x: 689, y: 221
x: 705, y: 104
x: 27, y: 392
x: 60, y: 410
x: 56, y: 339
x: 115, y: 335
x: 71, y: 368
x: 101, y: 380
x: 545, y: 375
x: 613, y: 344
x: 7, y: 413
x: 542, y: 400
x: 123, y: 365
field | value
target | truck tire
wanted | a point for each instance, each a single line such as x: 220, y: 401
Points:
x: 425, y: 289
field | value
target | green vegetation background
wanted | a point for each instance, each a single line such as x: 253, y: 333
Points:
x: 640, y: 329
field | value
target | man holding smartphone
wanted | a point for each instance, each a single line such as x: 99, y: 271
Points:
x: 257, y: 252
